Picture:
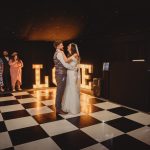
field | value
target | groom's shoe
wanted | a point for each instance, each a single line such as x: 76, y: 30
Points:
x: 61, y: 112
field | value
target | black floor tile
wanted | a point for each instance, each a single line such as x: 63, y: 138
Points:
x: 24, y: 96
x: 49, y: 117
x: 90, y: 108
x: 124, y: 124
x: 15, y: 114
x: 11, y: 148
x: 52, y: 107
x: 125, y: 142
x: 11, y: 102
x: 32, y: 105
x: 28, y: 134
x: 2, y: 127
x: 83, y: 121
x: 5, y: 94
x: 122, y: 111
x: 73, y: 140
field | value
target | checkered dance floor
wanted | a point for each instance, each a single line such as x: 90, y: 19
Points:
x: 28, y: 122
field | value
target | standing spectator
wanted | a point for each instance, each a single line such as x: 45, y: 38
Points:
x: 6, y: 71
x: 1, y: 76
x: 16, y: 71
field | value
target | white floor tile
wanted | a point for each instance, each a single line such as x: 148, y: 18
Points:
x: 20, y: 123
x: 139, y: 117
x: 101, y: 132
x: 104, y: 115
x: 58, y: 127
x: 48, y: 102
x: 43, y: 144
x: 8, y: 98
x: 41, y: 93
x: 11, y: 108
x: 107, y: 105
x: 20, y: 93
x: 39, y: 110
x: 69, y: 115
x: 1, y: 118
x: 96, y: 147
x: 142, y: 134
x: 5, y: 141
x: 27, y: 100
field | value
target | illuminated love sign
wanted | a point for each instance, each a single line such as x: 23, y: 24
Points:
x: 38, y: 84
x: 86, y: 71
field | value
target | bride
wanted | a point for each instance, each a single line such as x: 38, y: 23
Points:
x: 71, y: 98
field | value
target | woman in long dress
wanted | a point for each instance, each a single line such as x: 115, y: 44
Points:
x: 71, y: 98
x: 16, y: 71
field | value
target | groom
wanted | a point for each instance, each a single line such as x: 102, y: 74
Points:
x: 60, y: 74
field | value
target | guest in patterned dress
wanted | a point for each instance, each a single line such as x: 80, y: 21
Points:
x: 16, y: 71
x: 6, y: 71
x: 1, y: 76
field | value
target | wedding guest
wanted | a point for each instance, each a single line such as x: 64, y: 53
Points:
x: 1, y: 76
x: 6, y: 71
x: 16, y: 65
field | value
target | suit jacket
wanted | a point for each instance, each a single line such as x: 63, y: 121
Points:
x: 6, y: 65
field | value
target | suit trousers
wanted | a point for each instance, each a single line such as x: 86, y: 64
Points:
x: 61, y: 84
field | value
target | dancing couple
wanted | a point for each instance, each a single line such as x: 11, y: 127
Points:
x: 67, y: 78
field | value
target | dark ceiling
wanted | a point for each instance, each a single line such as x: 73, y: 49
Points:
x: 38, y: 19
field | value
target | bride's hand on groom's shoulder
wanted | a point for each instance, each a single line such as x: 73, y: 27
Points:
x: 75, y: 55
x: 62, y: 52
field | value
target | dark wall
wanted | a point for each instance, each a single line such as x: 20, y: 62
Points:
x: 130, y: 84
x: 128, y: 47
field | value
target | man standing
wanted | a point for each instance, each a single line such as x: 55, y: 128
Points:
x: 60, y: 74
x: 6, y: 71
x: 1, y: 76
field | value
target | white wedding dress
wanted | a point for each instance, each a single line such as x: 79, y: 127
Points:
x: 71, y: 98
